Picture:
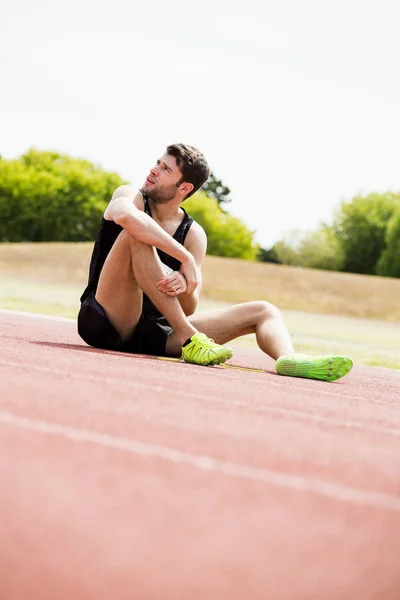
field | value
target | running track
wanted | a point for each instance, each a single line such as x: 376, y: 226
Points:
x: 128, y: 478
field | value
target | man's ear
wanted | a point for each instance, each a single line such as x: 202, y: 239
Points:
x: 186, y: 188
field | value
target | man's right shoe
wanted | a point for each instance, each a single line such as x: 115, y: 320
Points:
x: 201, y: 350
x: 324, y: 368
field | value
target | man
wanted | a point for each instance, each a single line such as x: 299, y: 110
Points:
x: 145, y: 280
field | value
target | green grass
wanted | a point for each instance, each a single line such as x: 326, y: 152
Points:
x: 370, y: 342
x: 38, y: 297
x: 367, y: 341
x: 227, y: 280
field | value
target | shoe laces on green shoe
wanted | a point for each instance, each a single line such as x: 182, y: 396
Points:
x: 324, y: 368
x: 201, y: 350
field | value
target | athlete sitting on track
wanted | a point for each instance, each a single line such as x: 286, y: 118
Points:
x: 145, y: 281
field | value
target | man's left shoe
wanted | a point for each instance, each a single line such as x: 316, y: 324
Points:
x: 201, y: 350
x: 324, y: 368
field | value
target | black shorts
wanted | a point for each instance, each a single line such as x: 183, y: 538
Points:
x: 149, y: 337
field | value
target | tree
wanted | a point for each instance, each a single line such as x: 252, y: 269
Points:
x: 286, y: 250
x: 47, y: 196
x: 214, y: 188
x: 364, y: 238
x: 267, y: 255
x: 321, y: 250
x: 360, y: 226
x: 315, y: 250
x: 285, y: 253
x: 389, y: 261
x: 227, y: 235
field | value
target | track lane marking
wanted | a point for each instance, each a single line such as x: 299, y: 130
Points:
x: 255, y: 380
x: 20, y: 313
x: 303, y: 415
x: 207, y: 463
x: 231, y: 376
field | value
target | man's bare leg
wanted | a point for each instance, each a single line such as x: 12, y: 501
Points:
x: 130, y: 269
x: 273, y: 338
x: 225, y: 324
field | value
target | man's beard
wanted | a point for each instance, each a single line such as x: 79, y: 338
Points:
x: 161, y: 195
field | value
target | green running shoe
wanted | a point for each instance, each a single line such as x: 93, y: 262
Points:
x: 201, y: 350
x: 324, y: 368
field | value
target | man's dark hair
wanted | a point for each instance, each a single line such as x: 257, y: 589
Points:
x: 192, y: 164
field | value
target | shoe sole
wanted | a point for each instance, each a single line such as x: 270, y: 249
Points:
x: 329, y: 368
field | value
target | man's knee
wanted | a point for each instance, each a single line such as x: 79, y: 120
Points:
x: 127, y: 239
x: 135, y: 245
x: 266, y: 310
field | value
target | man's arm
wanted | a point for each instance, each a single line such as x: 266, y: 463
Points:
x: 126, y: 208
x: 175, y: 283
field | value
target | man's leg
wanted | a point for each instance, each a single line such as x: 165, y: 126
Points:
x: 130, y: 269
x: 226, y: 324
x: 273, y: 338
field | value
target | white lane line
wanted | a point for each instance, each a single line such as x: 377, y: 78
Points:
x: 225, y: 375
x: 260, y: 408
x: 20, y: 313
x: 222, y: 373
x: 207, y: 463
x: 67, y: 320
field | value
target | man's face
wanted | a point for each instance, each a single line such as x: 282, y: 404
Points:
x: 161, y: 183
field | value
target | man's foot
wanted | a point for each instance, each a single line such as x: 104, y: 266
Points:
x: 201, y: 350
x: 324, y: 368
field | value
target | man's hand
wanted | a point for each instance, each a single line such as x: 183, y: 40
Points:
x: 184, y: 282
x: 191, y: 274
x: 173, y: 284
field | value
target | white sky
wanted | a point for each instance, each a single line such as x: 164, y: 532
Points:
x: 295, y: 103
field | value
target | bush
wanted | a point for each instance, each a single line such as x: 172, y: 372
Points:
x: 267, y: 255
x: 389, y: 261
x: 361, y: 228
x: 321, y: 250
x: 364, y: 238
x: 316, y: 250
x: 227, y: 235
x: 46, y: 196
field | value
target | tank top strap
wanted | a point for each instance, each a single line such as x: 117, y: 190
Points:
x: 183, y: 229
x: 146, y: 204
x: 184, y: 226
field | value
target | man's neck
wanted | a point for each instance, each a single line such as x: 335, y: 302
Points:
x: 165, y: 212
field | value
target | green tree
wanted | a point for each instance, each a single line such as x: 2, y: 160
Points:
x: 321, y: 250
x: 360, y: 226
x: 227, y: 235
x: 389, y: 261
x: 47, y: 196
x: 285, y: 253
x: 286, y: 250
x: 267, y: 255
x: 316, y: 250
x: 214, y: 188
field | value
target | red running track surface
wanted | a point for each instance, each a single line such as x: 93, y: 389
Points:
x: 125, y: 477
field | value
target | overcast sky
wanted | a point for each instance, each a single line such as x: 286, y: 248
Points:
x: 295, y: 103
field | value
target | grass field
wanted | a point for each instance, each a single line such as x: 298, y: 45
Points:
x: 325, y: 312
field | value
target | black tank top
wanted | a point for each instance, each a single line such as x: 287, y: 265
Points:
x: 108, y: 233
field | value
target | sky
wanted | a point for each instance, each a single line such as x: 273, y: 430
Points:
x: 295, y: 103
